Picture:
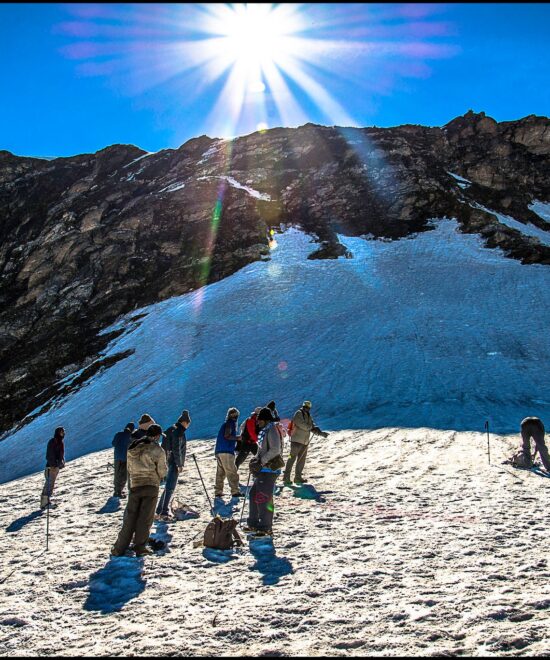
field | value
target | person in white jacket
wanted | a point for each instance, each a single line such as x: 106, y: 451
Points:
x: 270, y: 460
x: 302, y: 428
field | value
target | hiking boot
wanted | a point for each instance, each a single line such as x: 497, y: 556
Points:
x: 117, y: 495
x: 237, y: 495
x: 287, y: 482
x: 259, y: 533
x: 116, y: 553
x: 144, y: 552
x: 299, y: 482
x: 248, y: 529
x: 166, y: 517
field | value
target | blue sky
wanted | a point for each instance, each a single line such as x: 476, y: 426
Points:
x: 76, y: 78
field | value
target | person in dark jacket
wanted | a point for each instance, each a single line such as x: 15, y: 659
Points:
x: 120, y: 442
x: 271, y: 406
x: 248, y: 442
x: 175, y: 446
x: 55, y: 461
x: 532, y: 427
x: 225, y: 455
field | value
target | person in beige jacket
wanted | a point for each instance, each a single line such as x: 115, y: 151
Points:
x: 302, y: 428
x: 146, y: 468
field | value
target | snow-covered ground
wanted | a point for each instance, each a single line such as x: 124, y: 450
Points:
x: 406, y: 543
x: 432, y: 331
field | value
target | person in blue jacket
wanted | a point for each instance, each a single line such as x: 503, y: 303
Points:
x: 120, y: 442
x: 225, y: 455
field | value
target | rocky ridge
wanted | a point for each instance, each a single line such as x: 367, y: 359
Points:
x: 88, y: 238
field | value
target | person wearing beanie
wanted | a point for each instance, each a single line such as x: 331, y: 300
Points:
x: 302, y: 427
x: 225, y: 455
x: 269, y: 460
x: 248, y: 442
x: 146, y: 467
x: 55, y: 461
x: 145, y: 421
x: 175, y: 447
x: 120, y: 442
x: 271, y: 406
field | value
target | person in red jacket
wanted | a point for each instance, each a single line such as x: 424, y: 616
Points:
x: 249, y: 438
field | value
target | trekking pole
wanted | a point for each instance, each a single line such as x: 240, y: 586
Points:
x: 245, y: 498
x: 200, y: 475
x: 488, y: 445
x: 48, y: 508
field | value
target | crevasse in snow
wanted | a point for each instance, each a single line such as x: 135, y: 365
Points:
x: 431, y: 331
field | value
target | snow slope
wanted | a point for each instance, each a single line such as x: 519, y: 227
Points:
x: 406, y: 543
x: 431, y: 331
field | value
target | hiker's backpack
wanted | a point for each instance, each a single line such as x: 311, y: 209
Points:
x: 221, y: 533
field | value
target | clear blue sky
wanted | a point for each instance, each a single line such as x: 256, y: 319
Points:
x: 76, y: 78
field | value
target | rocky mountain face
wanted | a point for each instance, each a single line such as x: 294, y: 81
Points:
x: 88, y: 238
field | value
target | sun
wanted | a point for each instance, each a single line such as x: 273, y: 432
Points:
x: 255, y: 34
x: 254, y: 38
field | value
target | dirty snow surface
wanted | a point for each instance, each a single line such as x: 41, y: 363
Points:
x: 435, y: 330
x: 405, y: 542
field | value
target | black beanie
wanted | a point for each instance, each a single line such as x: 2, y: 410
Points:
x: 265, y: 414
x: 185, y: 417
x: 271, y: 405
x: 153, y: 431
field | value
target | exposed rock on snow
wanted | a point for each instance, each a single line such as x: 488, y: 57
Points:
x: 406, y: 542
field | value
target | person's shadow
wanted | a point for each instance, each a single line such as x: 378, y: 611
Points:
x: 115, y: 584
x: 267, y: 562
x: 309, y: 492
x: 18, y: 524
x: 110, y: 506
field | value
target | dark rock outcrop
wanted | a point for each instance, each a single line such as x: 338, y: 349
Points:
x: 88, y: 238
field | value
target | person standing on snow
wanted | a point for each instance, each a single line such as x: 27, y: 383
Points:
x: 225, y: 455
x: 268, y: 464
x: 120, y: 442
x: 532, y: 427
x: 146, y: 466
x: 248, y: 442
x: 302, y: 427
x: 145, y: 421
x: 55, y: 461
x: 271, y: 406
x: 175, y: 447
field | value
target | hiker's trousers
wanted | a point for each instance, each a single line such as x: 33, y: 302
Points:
x: 261, y: 506
x: 121, y: 476
x: 298, y: 454
x: 163, y: 507
x: 138, y: 518
x: 50, y: 475
x: 532, y: 429
x: 226, y: 468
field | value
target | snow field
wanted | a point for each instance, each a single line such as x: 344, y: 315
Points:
x: 432, y: 331
x: 405, y: 542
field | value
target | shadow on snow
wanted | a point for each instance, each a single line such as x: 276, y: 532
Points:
x: 18, y: 524
x: 115, y: 584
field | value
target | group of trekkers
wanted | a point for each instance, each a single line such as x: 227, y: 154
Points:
x: 146, y: 457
